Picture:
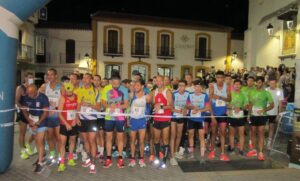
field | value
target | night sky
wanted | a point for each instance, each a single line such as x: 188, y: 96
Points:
x: 232, y: 13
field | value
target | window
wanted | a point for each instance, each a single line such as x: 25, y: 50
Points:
x: 139, y: 43
x: 110, y: 69
x: 40, y: 50
x: 203, y: 51
x: 165, y: 70
x: 70, y: 51
x: 112, y: 41
x: 165, y: 44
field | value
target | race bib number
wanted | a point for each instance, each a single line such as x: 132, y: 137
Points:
x: 34, y: 118
x: 161, y: 111
x: 196, y: 115
x: 220, y: 103
x: 53, y: 102
x: 137, y: 112
x: 178, y: 108
x: 255, y: 111
x: 116, y: 111
x: 86, y: 109
x: 237, y: 114
x: 71, y: 115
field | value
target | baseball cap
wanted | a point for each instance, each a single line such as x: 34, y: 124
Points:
x: 68, y: 86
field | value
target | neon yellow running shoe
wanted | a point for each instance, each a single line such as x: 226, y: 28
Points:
x: 61, y: 167
x: 28, y: 150
x: 71, y: 163
x: 23, y: 154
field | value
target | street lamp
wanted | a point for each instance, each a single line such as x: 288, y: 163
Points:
x: 270, y: 29
x: 289, y: 23
x: 84, y: 63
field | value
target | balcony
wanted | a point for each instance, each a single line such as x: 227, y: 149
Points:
x: 165, y: 53
x: 202, y: 55
x: 116, y: 51
x: 63, y: 59
x: 25, y: 53
x: 140, y: 52
x: 43, y: 58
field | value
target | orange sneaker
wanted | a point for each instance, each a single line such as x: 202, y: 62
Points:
x: 224, y: 157
x: 108, y: 163
x: 211, y: 155
x: 261, y: 157
x: 251, y: 153
x: 161, y: 155
x: 151, y: 158
x: 120, y: 163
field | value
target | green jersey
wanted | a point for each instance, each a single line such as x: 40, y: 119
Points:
x: 238, y: 100
x: 259, y: 99
x: 246, y: 90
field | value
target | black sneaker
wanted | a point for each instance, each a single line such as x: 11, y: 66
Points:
x: 241, y: 152
x: 39, y: 168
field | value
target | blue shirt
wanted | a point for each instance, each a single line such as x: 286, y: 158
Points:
x: 40, y: 102
x: 180, y: 101
x: 199, y: 101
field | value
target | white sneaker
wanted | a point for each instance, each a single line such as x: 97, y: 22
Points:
x: 178, y: 155
x: 173, y: 162
x: 84, y: 156
x: 132, y: 163
x: 181, y: 151
x: 142, y: 163
x: 269, y: 144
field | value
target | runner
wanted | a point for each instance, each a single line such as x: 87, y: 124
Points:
x: 20, y: 93
x: 180, y: 98
x: 163, y: 104
x: 260, y: 102
x: 219, y: 95
x: 101, y: 122
x: 198, y: 104
x: 138, y: 121
x: 36, y: 119
x: 115, y: 101
x: 88, y: 104
x: 238, y: 103
x: 53, y: 90
x: 277, y: 95
x: 68, y: 127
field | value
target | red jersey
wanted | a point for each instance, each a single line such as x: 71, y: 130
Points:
x: 70, y: 106
x: 161, y: 97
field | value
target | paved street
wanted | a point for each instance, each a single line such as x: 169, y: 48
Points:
x: 22, y: 170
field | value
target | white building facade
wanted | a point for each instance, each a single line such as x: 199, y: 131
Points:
x: 280, y: 46
x: 152, y: 45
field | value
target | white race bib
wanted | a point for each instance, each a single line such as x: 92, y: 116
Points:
x: 178, y: 108
x: 137, y: 112
x: 53, y: 101
x: 197, y: 115
x: 86, y: 109
x: 34, y: 118
x: 71, y: 115
x: 255, y: 111
x: 237, y: 115
x: 220, y: 103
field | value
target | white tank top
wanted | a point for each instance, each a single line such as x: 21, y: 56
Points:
x: 138, y: 107
x: 53, y: 95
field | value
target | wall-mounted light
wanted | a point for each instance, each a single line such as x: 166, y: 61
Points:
x: 290, y: 23
x: 233, y: 56
x: 270, y: 29
x: 84, y: 63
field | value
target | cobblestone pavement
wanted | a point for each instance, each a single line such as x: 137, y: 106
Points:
x: 22, y: 170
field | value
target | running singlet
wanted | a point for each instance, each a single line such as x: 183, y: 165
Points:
x: 219, y: 107
x: 138, y: 108
x: 277, y: 95
x: 180, y: 101
x: 53, y: 95
x: 70, y: 106
x: 90, y: 96
x: 259, y: 100
x: 116, y: 96
x: 199, y: 101
x: 161, y: 97
x: 238, y: 100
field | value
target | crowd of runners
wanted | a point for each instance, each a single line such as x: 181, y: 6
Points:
x: 89, y: 119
